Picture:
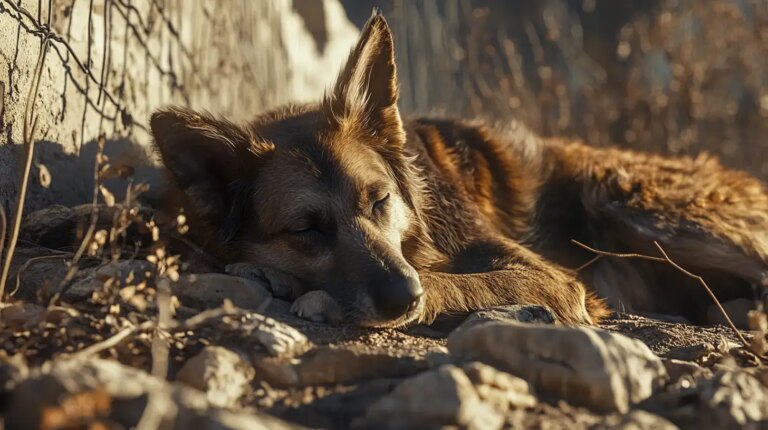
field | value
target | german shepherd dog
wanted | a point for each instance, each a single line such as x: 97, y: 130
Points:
x: 360, y: 215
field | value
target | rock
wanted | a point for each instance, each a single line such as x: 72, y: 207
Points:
x: 441, y: 397
x: 22, y: 315
x: 331, y: 365
x: 13, y: 370
x: 677, y: 369
x: 732, y: 399
x: 761, y: 373
x: 702, y: 353
x: 502, y: 390
x: 250, y: 332
x: 209, y: 290
x: 277, y: 338
x: 25, y: 315
x: 438, y: 356
x: 94, y: 279
x: 79, y: 393
x: 534, y: 314
x: 221, y: 374
x: 635, y: 420
x: 729, y: 399
x: 56, y: 226
x: 584, y: 366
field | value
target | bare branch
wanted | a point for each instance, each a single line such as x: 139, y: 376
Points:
x: 666, y: 259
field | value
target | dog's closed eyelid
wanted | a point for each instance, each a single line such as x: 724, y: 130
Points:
x: 380, y: 203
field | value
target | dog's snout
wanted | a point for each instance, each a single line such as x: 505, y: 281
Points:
x: 400, y: 296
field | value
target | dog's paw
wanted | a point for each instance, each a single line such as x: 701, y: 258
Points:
x: 317, y: 306
x: 282, y: 285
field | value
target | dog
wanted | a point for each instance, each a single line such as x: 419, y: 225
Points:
x: 367, y: 218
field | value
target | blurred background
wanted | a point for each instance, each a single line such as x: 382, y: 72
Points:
x: 673, y: 76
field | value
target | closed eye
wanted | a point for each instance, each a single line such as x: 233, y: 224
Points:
x: 380, y: 205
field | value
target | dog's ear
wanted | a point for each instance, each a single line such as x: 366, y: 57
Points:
x: 365, y: 94
x: 209, y: 159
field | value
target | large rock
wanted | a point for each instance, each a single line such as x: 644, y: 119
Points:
x: 108, y: 394
x: 221, y: 374
x: 729, y: 399
x: 585, y: 366
x: 475, y: 397
x: 334, y: 365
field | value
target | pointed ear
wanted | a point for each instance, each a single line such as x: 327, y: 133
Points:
x: 365, y: 93
x: 208, y: 159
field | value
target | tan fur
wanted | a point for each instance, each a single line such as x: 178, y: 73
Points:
x: 401, y: 221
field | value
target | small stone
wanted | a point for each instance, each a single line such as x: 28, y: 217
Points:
x: 221, y: 374
x: 22, y: 315
x: 700, y: 353
x: 531, y: 314
x: 677, y: 369
x: 584, y: 366
x: 209, y: 290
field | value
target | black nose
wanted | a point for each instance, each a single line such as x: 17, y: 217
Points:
x: 399, y: 296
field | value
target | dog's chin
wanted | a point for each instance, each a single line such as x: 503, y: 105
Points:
x: 370, y: 318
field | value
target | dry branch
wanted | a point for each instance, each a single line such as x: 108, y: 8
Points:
x: 666, y: 259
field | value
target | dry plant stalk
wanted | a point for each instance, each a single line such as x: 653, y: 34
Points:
x: 30, y: 126
x: 666, y: 259
x: 3, y: 227
x: 84, y: 244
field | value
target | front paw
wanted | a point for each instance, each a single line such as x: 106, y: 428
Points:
x: 282, y: 285
x: 318, y: 306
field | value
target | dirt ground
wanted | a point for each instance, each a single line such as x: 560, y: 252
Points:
x: 109, y: 310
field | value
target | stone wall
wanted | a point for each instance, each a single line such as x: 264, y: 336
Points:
x: 110, y: 63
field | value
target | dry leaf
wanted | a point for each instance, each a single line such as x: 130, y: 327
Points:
x: 44, y: 176
x: 109, y: 198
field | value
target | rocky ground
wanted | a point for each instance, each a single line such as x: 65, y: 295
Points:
x: 139, y: 339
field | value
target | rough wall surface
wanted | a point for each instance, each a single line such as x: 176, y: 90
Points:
x: 110, y: 63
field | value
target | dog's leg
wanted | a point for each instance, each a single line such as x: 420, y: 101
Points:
x: 318, y: 306
x: 497, y: 273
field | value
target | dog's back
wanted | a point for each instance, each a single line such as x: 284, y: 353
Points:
x: 547, y: 193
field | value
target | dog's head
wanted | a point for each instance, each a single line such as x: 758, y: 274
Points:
x: 322, y: 192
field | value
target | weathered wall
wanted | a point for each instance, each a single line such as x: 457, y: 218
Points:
x: 232, y: 57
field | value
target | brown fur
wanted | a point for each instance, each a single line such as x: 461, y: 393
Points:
x: 345, y: 197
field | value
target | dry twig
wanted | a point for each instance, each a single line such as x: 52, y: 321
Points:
x: 111, y: 341
x: 666, y: 259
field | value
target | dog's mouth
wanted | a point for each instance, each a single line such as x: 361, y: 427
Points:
x: 364, y: 314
